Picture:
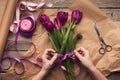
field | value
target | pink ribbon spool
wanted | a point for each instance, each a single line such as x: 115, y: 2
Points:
x: 26, y: 6
x: 27, y: 26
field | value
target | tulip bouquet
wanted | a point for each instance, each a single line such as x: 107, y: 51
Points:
x: 62, y: 38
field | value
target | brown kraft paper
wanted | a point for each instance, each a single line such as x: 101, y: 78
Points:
x: 107, y: 63
x: 5, y: 23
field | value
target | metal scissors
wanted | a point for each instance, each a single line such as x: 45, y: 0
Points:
x: 104, y: 47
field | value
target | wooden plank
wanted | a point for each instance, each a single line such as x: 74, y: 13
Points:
x: 114, y: 76
x: 22, y: 45
x: 101, y: 3
x: 15, y: 53
x: 12, y: 37
x: 56, y: 3
x: 114, y: 14
x: 109, y: 4
x: 105, y: 4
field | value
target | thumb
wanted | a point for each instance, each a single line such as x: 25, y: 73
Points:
x: 78, y: 55
x: 53, y: 58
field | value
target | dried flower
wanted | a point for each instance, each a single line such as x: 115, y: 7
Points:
x: 76, y: 16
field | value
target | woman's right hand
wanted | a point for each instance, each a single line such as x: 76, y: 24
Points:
x: 83, y: 55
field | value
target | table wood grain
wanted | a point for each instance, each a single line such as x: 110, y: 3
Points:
x: 110, y: 7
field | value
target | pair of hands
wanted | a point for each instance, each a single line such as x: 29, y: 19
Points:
x: 50, y: 56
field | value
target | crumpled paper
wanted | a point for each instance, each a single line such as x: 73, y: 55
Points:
x: 107, y: 63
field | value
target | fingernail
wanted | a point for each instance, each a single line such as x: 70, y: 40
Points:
x: 56, y: 54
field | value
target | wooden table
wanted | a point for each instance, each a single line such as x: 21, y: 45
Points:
x: 110, y: 7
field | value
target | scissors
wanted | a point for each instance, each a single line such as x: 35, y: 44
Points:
x: 104, y: 47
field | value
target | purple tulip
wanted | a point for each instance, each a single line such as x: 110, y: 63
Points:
x: 57, y: 23
x: 76, y: 16
x: 49, y: 26
x: 62, y: 16
x: 44, y: 18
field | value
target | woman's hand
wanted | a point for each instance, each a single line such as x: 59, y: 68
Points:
x: 48, y: 59
x: 83, y: 55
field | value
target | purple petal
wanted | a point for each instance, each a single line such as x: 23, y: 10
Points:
x: 49, y: 26
x: 57, y: 23
x: 44, y: 18
x: 62, y: 16
x: 76, y: 16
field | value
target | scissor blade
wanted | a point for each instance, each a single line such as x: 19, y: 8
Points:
x: 98, y: 32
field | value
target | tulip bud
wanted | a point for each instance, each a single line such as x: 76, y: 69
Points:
x: 49, y: 26
x: 44, y: 18
x: 57, y: 23
x: 76, y: 16
x: 62, y: 16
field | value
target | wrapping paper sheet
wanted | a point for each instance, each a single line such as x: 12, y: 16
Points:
x: 2, y: 8
x: 105, y: 63
x: 7, y: 17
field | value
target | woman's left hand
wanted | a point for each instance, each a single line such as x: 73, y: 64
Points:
x: 49, y: 57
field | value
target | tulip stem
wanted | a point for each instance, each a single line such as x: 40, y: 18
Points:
x: 66, y: 36
x: 53, y: 41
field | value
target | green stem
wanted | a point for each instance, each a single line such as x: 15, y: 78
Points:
x: 66, y: 36
x: 70, y: 68
x: 53, y: 40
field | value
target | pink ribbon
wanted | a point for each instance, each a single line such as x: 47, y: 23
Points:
x: 18, y: 61
x: 25, y: 25
x: 62, y: 58
x: 26, y: 6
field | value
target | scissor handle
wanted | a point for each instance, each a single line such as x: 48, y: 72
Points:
x: 102, y: 50
x: 108, y: 48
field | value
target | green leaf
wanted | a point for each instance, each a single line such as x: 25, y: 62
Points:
x: 59, y: 37
x: 70, y: 40
x: 75, y: 39
x: 54, y: 41
x: 64, y: 32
